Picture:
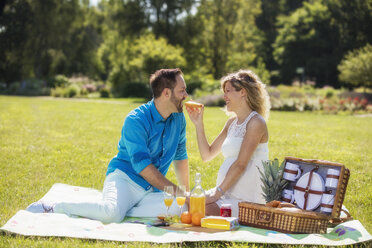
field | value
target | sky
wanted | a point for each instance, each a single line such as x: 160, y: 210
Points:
x: 93, y: 2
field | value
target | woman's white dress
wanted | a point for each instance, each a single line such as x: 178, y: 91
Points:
x: 248, y: 186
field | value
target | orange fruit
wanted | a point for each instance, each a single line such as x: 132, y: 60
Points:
x: 186, y: 217
x: 196, y: 219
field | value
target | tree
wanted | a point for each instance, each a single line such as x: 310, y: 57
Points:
x: 14, y: 33
x: 317, y: 35
x: 164, y: 17
x: 229, y: 39
x: 356, y: 67
x: 128, y: 17
x: 41, y: 39
x: 134, y: 61
x: 353, y: 19
x: 266, y: 21
x: 307, y: 38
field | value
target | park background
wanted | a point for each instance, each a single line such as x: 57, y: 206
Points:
x: 90, y: 62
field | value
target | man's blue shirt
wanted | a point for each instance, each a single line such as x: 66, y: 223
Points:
x: 146, y: 138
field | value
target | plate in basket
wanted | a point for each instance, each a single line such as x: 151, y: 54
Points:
x: 313, y: 200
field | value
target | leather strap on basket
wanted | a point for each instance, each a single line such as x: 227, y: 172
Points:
x: 307, y: 190
x: 326, y: 205
x: 294, y: 172
x: 332, y: 176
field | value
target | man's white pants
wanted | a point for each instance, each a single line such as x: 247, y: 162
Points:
x: 120, y: 197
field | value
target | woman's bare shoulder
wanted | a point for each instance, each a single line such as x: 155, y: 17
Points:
x: 257, y: 123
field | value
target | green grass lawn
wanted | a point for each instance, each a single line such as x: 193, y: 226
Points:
x: 45, y: 141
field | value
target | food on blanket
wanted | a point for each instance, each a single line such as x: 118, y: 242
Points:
x: 186, y: 217
x: 172, y: 219
x: 192, y: 104
x: 161, y: 217
x: 180, y: 225
x: 273, y: 204
x: 176, y: 219
x: 272, y: 180
x: 295, y: 209
x: 286, y: 205
x: 225, y: 210
x: 219, y: 222
x: 196, y: 219
x: 278, y: 204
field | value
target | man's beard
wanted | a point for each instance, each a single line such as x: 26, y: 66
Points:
x: 177, y: 103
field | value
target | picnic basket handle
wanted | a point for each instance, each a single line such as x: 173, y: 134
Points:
x: 263, y: 220
x: 336, y: 221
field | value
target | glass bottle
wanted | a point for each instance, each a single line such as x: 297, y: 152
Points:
x: 197, y: 197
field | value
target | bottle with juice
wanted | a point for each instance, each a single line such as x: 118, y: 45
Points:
x: 197, y: 197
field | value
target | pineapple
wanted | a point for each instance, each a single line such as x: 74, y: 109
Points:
x: 273, y: 183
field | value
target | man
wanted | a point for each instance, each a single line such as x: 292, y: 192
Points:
x: 153, y: 136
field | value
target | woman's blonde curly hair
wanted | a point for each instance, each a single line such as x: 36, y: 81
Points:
x: 257, y: 97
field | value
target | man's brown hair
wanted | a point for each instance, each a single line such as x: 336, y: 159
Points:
x: 163, y: 78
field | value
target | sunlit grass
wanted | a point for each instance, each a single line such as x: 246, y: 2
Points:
x: 44, y: 141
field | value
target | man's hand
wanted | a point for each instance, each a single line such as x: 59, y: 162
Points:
x: 155, y: 178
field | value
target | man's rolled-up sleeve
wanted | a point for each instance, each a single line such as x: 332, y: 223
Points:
x: 181, y: 152
x: 135, y: 136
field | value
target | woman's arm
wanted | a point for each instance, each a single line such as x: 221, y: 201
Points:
x: 207, y: 152
x: 256, y: 132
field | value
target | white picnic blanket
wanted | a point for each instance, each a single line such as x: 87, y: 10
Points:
x: 61, y: 225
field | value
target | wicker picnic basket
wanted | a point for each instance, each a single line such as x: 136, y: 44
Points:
x: 278, y: 219
x: 299, y: 221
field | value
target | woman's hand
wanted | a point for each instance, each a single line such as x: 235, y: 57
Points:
x: 212, y: 196
x: 196, y: 115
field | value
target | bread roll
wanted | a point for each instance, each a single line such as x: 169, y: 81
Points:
x: 192, y: 104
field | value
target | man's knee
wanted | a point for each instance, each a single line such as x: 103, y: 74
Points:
x: 112, y: 214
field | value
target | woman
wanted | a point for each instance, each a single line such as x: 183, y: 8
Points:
x: 243, y: 142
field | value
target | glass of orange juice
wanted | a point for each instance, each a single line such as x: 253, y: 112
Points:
x: 168, y: 196
x: 181, y: 196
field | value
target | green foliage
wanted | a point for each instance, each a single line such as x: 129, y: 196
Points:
x: 72, y: 90
x: 305, y: 39
x: 134, y: 62
x: 192, y: 86
x: 45, y: 39
x: 151, y: 54
x: 60, y: 81
x: 28, y: 87
x: 104, y: 92
x: 136, y: 89
x: 317, y: 35
x: 229, y: 36
x: 57, y: 92
x: 356, y: 67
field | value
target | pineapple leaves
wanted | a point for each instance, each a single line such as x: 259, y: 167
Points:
x: 272, y: 181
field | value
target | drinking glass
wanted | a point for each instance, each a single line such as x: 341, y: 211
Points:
x: 168, y: 197
x: 181, y: 196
